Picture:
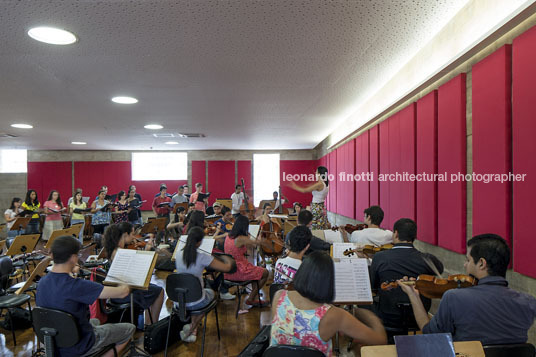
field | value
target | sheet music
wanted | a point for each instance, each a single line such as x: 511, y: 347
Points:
x: 319, y: 233
x: 339, y: 248
x: 130, y: 267
x: 333, y: 236
x: 207, y: 244
x: 352, y: 282
x: 280, y: 216
x: 254, y: 231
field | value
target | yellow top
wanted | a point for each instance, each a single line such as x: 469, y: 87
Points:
x: 80, y: 206
x: 32, y: 207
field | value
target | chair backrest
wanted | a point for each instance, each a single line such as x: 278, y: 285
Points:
x: 183, y: 288
x: 291, y: 351
x: 517, y: 350
x: 274, y: 288
x: 67, y: 333
x: 6, y: 268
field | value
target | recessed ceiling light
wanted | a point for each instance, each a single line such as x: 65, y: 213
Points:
x: 22, y: 126
x: 124, y: 100
x: 153, y: 126
x: 172, y: 142
x: 78, y: 142
x: 52, y: 35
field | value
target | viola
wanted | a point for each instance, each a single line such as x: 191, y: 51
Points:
x: 349, y: 228
x: 271, y: 238
x: 433, y: 287
x: 368, y: 250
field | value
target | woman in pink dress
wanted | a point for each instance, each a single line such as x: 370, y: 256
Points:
x: 236, y: 245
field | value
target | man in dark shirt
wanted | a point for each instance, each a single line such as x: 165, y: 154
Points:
x: 393, y: 264
x: 59, y: 290
x: 489, y: 312
x: 305, y: 218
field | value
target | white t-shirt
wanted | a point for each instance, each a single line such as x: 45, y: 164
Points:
x: 285, y: 269
x: 237, y: 202
x: 374, y: 236
x: 203, y: 260
x: 11, y: 214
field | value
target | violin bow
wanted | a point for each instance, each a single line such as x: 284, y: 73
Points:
x: 432, y: 266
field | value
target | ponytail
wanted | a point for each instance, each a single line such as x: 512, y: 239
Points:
x: 113, y: 234
x: 189, y: 255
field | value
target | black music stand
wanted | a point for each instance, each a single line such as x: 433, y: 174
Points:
x: 23, y: 244
x: 155, y: 226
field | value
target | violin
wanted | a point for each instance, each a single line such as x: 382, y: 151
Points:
x: 210, y: 230
x: 228, y: 226
x: 137, y: 243
x: 368, y: 250
x: 349, y: 228
x: 433, y: 287
x: 271, y: 235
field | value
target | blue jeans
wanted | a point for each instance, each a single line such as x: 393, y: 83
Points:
x: 13, y: 234
x: 81, y: 234
x: 33, y: 226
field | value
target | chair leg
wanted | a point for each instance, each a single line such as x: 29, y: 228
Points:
x: 12, y: 327
x: 150, y: 316
x: 239, y: 298
x: 204, y: 332
x: 30, y: 309
x: 217, y: 322
x: 167, y: 336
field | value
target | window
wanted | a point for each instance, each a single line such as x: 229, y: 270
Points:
x: 265, y: 176
x: 148, y: 166
x: 13, y: 161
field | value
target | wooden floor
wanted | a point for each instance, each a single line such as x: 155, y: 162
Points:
x: 235, y: 333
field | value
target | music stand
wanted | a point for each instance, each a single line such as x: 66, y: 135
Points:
x: 56, y: 234
x: 20, y: 224
x: 23, y: 244
x: 182, y: 204
x: 154, y: 226
x: 227, y: 202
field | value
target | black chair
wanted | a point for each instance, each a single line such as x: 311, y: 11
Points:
x: 240, y: 288
x: 517, y: 350
x: 10, y: 301
x: 273, y: 289
x: 408, y: 323
x: 182, y: 289
x: 292, y: 351
x: 59, y: 329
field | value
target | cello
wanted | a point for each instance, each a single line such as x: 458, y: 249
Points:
x: 272, y: 244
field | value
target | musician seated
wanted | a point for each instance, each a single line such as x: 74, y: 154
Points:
x: 11, y: 216
x: 373, y: 234
x: 305, y: 218
x: 306, y: 316
x: 236, y: 244
x: 214, y: 210
x: 120, y: 236
x: 61, y: 291
x: 223, y: 227
x: 297, y: 207
x: 194, y: 219
x: 190, y: 260
x: 489, y: 312
x: 298, y: 239
x: 393, y: 264
x: 177, y: 222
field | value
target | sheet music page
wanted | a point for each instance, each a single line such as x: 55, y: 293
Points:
x: 319, y: 233
x: 333, y: 236
x: 339, y: 248
x: 254, y: 231
x: 352, y: 282
x: 207, y: 244
x: 280, y: 216
x: 130, y: 267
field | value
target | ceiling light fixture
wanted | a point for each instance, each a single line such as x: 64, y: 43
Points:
x: 22, y: 126
x: 124, y: 100
x: 51, y: 35
x: 78, y: 142
x: 172, y: 142
x: 153, y: 126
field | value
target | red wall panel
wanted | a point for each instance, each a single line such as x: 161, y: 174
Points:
x: 198, y: 174
x: 296, y: 167
x: 524, y: 150
x: 451, y: 158
x: 44, y: 177
x: 244, y: 172
x: 374, y: 163
x: 395, y: 158
x: 221, y: 179
x: 492, y: 140
x: 332, y: 171
x: 384, y: 169
x: 346, y: 185
x: 427, y: 163
x: 362, y: 167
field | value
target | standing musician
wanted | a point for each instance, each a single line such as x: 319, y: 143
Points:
x: 120, y: 235
x: 59, y: 290
x: 179, y: 196
x: 101, y: 215
x: 190, y: 260
x: 373, y: 234
x: 53, y: 209
x: 238, y: 199
x: 198, y: 205
x: 392, y: 264
x: 162, y: 210
x: 134, y: 201
x: 78, y: 218
x: 11, y: 216
x: 122, y: 209
x: 284, y: 200
x: 71, y: 198
x: 489, y: 312
x: 167, y: 194
x: 236, y: 245
x: 319, y: 191
x: 31, y: 203
x: 133, y: 188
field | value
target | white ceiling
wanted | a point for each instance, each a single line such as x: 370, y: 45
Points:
x: 270, y: 74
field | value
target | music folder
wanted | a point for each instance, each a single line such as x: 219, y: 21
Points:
x: 352, y: 282
x: 436, y: 344
x: 131, y: 267
x: 207, y: 244
x: 202, y: 196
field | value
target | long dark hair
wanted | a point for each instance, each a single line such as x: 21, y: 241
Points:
x: 240, y: 227
x: 323, y: 172
x: 315, y: 279
x: 15, y: 199
x: 28, y: 199
x: 113, y: 234
x: 58, y: 200
x: 189, y: 255
x: 196, y: 219
x: 120, y: 194
x: 75, y: 201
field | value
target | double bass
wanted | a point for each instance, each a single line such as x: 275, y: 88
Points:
x: 249, y: 208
